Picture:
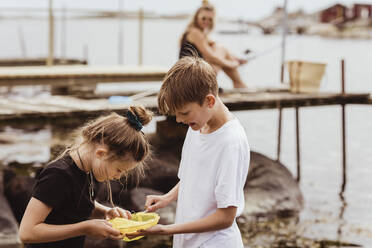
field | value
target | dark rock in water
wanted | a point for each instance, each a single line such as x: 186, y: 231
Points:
x: 18, y: 191
x: 270, y: 189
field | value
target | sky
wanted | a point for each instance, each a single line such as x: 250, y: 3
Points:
x: 245, y: 9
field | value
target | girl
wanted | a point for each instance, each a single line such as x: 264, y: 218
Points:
x: 64, y: 198
x: 195, y: 41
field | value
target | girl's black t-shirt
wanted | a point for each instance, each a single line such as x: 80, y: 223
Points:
x: 64, y: 187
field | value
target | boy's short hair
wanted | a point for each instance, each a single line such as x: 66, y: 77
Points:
x: 190, y: 80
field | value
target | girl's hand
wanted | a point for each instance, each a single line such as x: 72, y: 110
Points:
x: 101, y: 229
x: 117, y: 212
x: 155, y: 230
x: 154, y: 202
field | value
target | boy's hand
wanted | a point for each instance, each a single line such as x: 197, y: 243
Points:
x: 117, y: 212
x: 155, y: 230
x: 154, y: 202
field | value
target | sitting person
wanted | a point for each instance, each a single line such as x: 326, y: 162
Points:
x: 195, y: 41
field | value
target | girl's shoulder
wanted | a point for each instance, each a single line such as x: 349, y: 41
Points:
x: 60, y: 166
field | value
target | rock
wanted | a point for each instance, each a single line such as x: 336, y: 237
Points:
x: 167, y: 214
x: 270, y: 189
x: 161, y: 173
x: 18, y: 191
x: 8, y: 224
x: 162, y: 169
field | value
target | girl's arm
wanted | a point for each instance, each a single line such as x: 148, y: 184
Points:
x: 221, y: 219
x: 110, y: 213
x: 201, y: 42
x: 33, y: 229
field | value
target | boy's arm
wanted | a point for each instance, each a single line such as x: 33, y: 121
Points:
x: 154, y: 202
x: 221, y: 219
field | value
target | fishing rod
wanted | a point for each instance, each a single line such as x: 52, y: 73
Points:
x: 254, y: 55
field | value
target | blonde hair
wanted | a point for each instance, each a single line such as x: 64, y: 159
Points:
x: 191, y: 79
x: 194, y: 20
x: 118, y: 134
x: 121, y: 135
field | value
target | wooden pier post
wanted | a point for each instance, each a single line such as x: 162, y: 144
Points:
x: 120, y: 33
x: 22, y: 42
x: 343, y: 128
x: 50, y: 58
x: 140, y: 36
x: 279, y: 135
x: 298, y: 144
x: 284, y: 35
x: 63, y: 32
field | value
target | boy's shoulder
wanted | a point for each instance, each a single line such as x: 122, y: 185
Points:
x: 233, y: 130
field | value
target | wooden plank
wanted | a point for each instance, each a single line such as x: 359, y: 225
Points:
x: 30, y: 106
x: 39, y: 62
x: 78, y: 74
x: 61, y: 107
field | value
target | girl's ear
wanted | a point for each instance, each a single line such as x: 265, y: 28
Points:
x: 101, y: 152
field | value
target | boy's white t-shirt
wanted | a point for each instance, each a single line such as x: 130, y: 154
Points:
x: 212, y: 173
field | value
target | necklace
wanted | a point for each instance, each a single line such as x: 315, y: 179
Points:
x: 89, y: 178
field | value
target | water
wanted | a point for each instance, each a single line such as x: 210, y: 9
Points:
x: 326, y: 214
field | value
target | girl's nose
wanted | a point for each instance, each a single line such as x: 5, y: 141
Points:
x: 178, y: 119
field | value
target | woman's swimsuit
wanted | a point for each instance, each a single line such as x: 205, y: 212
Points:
x: 188, y: 48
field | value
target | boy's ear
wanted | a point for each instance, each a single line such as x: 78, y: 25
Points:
x: 210, y: 100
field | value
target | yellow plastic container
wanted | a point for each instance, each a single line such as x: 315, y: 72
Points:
x: 139, y: 221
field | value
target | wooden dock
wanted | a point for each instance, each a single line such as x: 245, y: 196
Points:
x: 40, y: 62
x: 54, y: 108
x: 78, y: 74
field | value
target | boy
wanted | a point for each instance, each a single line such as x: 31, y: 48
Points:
x: 214, y: 163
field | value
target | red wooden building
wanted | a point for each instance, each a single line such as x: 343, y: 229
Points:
x: 334, y: 13
x: 362, y: 11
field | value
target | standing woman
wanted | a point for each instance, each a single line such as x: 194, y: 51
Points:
x: 64, y: 198
x: 195, y: 41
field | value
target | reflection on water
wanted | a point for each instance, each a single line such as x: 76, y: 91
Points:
x: 25, y: 146
x: 341, y: 215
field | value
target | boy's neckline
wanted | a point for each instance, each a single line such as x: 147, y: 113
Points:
x: 228, y: 117
x: 218, y: 129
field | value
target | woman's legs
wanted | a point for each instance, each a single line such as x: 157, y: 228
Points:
x: 233, y: 74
